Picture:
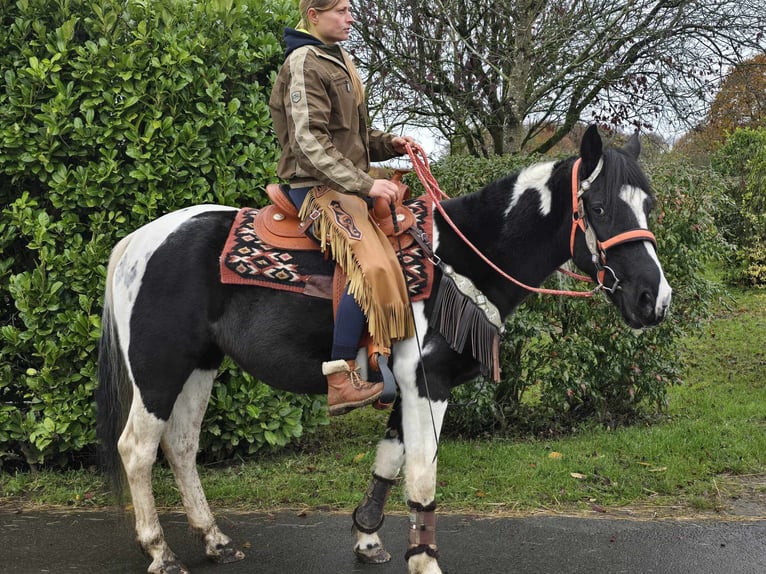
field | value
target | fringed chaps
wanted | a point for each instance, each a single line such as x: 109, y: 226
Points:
x: 375, y: 279
x: 422, y: 538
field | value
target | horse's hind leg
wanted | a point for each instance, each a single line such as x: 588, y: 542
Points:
x: 138, y: 450
x: 180, y: 443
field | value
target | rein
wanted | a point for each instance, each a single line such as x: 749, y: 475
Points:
x: 431, y: 186
x: 596, y: 247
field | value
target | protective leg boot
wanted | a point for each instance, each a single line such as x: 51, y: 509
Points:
x: 346, y: 390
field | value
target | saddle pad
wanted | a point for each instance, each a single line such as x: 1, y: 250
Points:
x: 247, y: 259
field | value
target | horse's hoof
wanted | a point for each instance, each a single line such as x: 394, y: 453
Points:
x: 174, y: 567
x: 375, y: 555
x: 227, y: 554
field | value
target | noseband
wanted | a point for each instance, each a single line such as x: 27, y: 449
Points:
x: 597, y: 247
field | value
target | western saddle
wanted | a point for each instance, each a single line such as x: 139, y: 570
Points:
x: 278, y: 224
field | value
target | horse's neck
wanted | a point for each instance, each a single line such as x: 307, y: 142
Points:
x: 526, y: 244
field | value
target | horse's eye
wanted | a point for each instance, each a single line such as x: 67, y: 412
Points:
x: 598, y: 210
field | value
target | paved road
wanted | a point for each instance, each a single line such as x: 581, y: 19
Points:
x: 319, y: 543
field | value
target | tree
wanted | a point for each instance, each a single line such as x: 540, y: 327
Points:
x: 492, y: 76
x: 740, y: 103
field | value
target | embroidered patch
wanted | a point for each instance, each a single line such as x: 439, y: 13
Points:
x: 296, y: 97
x: 345, y: 221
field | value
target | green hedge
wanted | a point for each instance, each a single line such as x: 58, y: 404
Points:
x: 565, y: 360
x: 742, y: 160
x: 113, y: 112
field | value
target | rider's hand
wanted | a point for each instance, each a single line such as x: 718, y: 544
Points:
x: 385, y: 189
x: 399, y: 143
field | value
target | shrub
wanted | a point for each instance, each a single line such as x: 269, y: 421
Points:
x: 112, y: 113
x: 566, y: 360
x: 742, y: 160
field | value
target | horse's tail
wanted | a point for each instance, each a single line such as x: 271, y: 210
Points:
x: 115, y: 390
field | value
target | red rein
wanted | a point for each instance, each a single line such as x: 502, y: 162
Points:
x: 423, y: 171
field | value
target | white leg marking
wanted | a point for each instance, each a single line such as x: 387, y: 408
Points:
x: 423, y: 564
x: 421, y: 419
x: 138, y: 450
x: 420, y: 436
x: 389, y: 458
x: 367, y: 543
x: 180, y: 443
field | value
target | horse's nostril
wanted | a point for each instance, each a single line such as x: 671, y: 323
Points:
x: 647, y: 300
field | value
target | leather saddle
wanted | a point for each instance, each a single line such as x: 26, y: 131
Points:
x: 278, y: 224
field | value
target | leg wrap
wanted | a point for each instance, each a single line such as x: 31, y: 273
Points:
x: 422, y: 538
x: 368, y: 516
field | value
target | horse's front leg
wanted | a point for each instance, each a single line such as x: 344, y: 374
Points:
x: 368, y: 516
x: 421, y: 421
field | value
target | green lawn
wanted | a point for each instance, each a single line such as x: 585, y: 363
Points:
x: 709, y: 450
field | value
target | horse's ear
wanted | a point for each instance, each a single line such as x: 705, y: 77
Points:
x: 633, y: 147
x: 590, y: 149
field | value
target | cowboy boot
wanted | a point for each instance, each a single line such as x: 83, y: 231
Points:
x: 346, y: 390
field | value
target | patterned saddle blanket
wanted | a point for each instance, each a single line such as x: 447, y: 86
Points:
x: 257, y: 252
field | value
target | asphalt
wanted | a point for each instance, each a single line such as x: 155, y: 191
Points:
x: 319, y: 543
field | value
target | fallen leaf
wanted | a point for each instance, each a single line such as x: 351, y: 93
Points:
x: 577, y: 475
x: 480, y: 494
x: 555, y: 455
x: 359, y: 457
x: 660, y: 469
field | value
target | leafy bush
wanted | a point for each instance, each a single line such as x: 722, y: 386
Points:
x: 565, y: 360
x: 742, y: 160
x: 112, y: 113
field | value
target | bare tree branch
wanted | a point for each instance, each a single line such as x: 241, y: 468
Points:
x: 493, y: 77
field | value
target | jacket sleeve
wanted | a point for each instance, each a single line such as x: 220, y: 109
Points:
x: 380, y: 146
x: 308, y: 108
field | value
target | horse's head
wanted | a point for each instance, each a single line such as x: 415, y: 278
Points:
x: 611, y: 239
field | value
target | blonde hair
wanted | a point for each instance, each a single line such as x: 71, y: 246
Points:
x: 322, y: 6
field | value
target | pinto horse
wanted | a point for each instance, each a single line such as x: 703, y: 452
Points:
x: 168, y: 322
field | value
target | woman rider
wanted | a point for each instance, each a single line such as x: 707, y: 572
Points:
x: 320, y: 118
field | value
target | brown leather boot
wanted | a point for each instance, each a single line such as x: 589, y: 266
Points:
x: 346, y: 390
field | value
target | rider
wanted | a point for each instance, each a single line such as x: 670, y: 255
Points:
x: 320, y: 118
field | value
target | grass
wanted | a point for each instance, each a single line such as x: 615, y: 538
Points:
x: 709, y: 451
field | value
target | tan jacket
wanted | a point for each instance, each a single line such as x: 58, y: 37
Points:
x: 324, y: 135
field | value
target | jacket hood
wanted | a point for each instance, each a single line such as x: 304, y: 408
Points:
x: 296, y: 38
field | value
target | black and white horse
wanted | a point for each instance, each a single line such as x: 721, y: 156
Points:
x: 168, y: 322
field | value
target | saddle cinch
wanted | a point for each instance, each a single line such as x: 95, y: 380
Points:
x: 278, y: 223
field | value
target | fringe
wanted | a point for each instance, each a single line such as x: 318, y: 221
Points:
x: 385, y: 321
x: 460, y: 318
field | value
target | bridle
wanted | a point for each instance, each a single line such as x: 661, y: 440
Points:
x: 597, y: 247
